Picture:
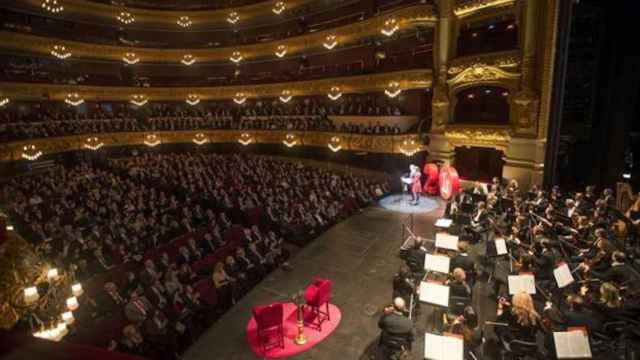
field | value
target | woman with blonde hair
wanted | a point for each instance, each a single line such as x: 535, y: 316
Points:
x: 224, y: 285
x: 521, y: 316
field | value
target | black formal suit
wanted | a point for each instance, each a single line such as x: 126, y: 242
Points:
x: 396, y: 327
x: 618, y: 273
x: 544, y: 265
x: 464, y: 262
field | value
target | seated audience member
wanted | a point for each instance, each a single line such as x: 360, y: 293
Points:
x: 137, y: 309
x: 133, y: 342
x: 224, y: 284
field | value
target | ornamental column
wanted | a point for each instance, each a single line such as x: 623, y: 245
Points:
x: 444, y: 42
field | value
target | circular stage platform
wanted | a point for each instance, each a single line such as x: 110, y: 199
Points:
x: 401, y: 203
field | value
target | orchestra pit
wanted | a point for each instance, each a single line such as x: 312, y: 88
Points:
x: 319, y: 179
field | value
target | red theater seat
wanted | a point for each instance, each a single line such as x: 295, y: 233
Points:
x: 317, y: 297
x: 269, y: 317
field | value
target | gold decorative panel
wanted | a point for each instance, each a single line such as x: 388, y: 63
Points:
x: 408, y: 18
x: 497, y: 137
x: 465, y: 8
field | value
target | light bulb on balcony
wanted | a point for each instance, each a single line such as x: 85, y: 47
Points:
x: 193, y: 99
x: 60, y: 51
x: 330, y: 42
x: 72, y: 303
x: 31, y: 295
x: 126, y: 18
x: 335, y: 93
x: 335, y: 144
x: 138, y: 100
x: 236, y: 57
x: 184, y: 21
x: 245, y: 139
x: 52, y: 274
x: 233, y: 17
x: 4, y: 102
x: 279, y: 7
x: 393, y: 89
x: 286, y: 96
x: 281, y: 51
x: 240, y: 98
x: 188, y: 59
x: 74, y: 99
x: 31, y: 152
x: 93, y: 143
x: 52, y: 6
x: 151, y: 140
x: 76, y: 289
x: 290, y: 140
x: 68, y: 317
x: 390, y: 27
x: 130, y: 58
x: 200, y: 139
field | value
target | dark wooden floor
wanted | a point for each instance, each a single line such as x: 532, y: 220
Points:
x: 360, y: 256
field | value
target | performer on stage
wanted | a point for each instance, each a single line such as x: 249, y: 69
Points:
x: 416, y: 184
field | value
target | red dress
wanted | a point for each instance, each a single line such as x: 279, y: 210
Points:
x: 416, y: 186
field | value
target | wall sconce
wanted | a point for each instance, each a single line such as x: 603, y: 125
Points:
x: 281, y: 51
x: 330, y: 42
x: 240, y: 98
x: 200, y: 139
x: 93, y: 143
x: 138, y: 100
x: 126, y: 18
x: 233, y: 17
x: 290, y: 140
x: 286, y: 96
x: 60, y: 51
x: 52, y: 6
x: 335, y: 144
x: 4, y: 102
x: 390, y: 27
x: 236, y: 57
x: 335, y: 93
x: 184, y: 21
x: 74, y: 99
x: 151, y: 140
x: 130, y: 58
x: 188, y: 60
x: 409, y: 147
x: 393, y: 89
x: 245, y: 139
x: 193, y: 99
x: 31, y: 153
x: 279, y: 7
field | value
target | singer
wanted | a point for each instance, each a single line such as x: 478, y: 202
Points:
x: 416, y: 185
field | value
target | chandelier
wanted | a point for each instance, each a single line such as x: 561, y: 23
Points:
x: 390, y: 27
x: 393, y: 89
x: 130, y: 58
x: 200, y: 139
x: 245, y: 139
x: 290, y: 140
x: 240, y: 98
x: 138, y: 100
x: 74, y: 99
x: 184, y: 21
x: 335, y: 93
x: 330, y: 42
x: 31, y: 152
x: 286, y: 96
x: 236, y: 57
x: 52, y: 6
x: 335, y: 144
x: 188, y: 59
x: 409, y: 147
x: 126, y: 17
x: 60, y: 51
x: 279, y: 7
x: 4, y: 101
x: 93, y: 143
x: 233, y: 17
x: 151, y: 140
x: 193, y: 99
x: 281, y: 51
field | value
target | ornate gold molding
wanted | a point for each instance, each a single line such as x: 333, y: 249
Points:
x: 407, y: 18
x: 480, y: 73
x: 410, y: 79
x: 497, y: 137
x: 502, y: 60
x: 465, y: 8
x: 390, y: 144
x: 167, y: 18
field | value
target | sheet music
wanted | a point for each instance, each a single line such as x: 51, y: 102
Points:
x: 563, y: 275
x: 522, y: 283
x: 572, y: 345
x: 446, y: 241
x: 434, y: 293
x: 438, y: 347
x: 501, y: 247
x: 438, y: 263
x: 443, y: 223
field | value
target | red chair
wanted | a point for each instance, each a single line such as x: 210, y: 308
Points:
x: 317, y: 297
x: 269, y: 317
x: 431, y: 185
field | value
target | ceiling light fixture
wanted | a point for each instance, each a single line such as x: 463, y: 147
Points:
x: 279, y: 7
x: 130, y: 58
x: 335, y: 144
x: 60, y: 51
x: 393, y: 89
x: 93, y: 143
x: 290, y: 140
x: 233, y: 17
x: 52, y: 6
x: 286, y: 96
x: 200, y: 139
x: 193, y: 99
x: 184, y: 21
x: 126, y: 17
x: 236, y: 57
x: 281, y: 51
x: 240, y: 98
x: 330, y: 42
x: 31, y: 152
x: 74, y: 99
x: 409, y: 147
x: 139, y: 100
x: 390, y: 27
x: 335, y: 93
x: 151, y: 140
x: 245, y: 139
x: 188, y: 59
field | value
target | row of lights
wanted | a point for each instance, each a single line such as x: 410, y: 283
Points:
x: 472, y: 96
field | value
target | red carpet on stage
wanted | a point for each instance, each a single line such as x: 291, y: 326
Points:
x: 290, y: 330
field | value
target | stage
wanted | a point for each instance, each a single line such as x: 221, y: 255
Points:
x: 402, y: 203
x: 360, y: 256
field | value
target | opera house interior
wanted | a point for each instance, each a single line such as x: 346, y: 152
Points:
x: 319, y: 179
